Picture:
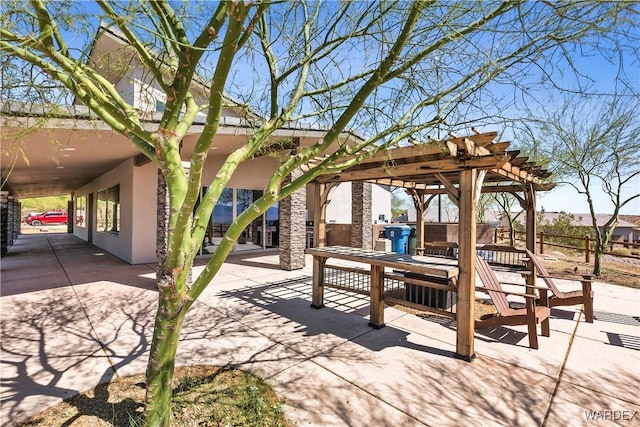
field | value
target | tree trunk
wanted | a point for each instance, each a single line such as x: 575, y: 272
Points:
x: 512, y: 231
x: 168, y: 324
x: 596, y: 263
x: 164, y: 346
x: 599, y: 249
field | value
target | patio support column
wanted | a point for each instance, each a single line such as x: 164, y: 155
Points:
x: 530, y: 207
x: 17, y: 219
x: 71, y: 217
x: 319, y: 216
x: 322, y: 194
x: 419, y: 203
x: 293, y: 226
x: 361, y: 225
x: 11, y: 215
x: 465, y: 306
x: 4, y: 222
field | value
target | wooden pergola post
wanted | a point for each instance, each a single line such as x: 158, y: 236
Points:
x: 418, y: 203
x: 322, y: 193
x: 530, y: 206
x: 319, y: 217
x: 465, y: 306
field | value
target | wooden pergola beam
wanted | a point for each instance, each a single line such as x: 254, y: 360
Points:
x: 419, y: 168
x: 488, y: 188
x: 480, y: 140
x: 499, y: 147
x: 514, y: 173
x: 452, y: 191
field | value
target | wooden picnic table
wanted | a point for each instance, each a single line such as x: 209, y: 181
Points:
x: 439, y: 269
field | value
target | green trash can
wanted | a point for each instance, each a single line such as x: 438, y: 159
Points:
x: 412, y: 240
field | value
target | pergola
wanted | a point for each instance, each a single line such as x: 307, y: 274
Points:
x: 460, y: 167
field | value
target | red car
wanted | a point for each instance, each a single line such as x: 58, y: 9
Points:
x: 48, y: 218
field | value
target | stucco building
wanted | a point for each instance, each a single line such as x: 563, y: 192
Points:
x: 114, y: 187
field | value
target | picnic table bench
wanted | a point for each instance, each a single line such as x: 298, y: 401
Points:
x: 434, y: 272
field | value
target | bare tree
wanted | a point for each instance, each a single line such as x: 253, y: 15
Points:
x: 398, y: 202
x: 506, y: 202
x: 389, y: 70
x: 595, y: 142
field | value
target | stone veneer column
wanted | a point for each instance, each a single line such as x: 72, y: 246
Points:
x: 11, y: 237
x: 293, y: 227
x: 361, y: 225
x: 71, y: 216
x: 4, y: 222
x: 17, y: 219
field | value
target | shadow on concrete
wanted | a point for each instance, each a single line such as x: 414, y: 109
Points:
x: 50, y: 350
x: 61, y: 345
x: 291, y: 299
x: 498, y: 333
x: 249, y: 259
x: 39, y: 262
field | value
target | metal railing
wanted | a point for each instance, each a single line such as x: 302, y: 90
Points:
x: 399, y: 288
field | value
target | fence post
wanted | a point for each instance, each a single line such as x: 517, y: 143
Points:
x: 587, y: 248
x: 541, y: 242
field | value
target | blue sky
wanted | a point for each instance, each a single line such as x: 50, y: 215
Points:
x: 566, y: 199
x: 603, y: 75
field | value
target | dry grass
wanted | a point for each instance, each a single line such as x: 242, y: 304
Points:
x: 203, y: 396
x: 613, y: 270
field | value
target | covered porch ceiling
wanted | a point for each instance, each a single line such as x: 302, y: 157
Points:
x: 48, y: 155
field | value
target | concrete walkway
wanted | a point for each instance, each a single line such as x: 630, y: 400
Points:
x: 74, y: 316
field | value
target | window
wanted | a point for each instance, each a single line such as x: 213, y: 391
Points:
x: 261, y: 232
x: 108, y: 210
x: 160, y: 106
x: 81, y: 211
x: 223, y: 213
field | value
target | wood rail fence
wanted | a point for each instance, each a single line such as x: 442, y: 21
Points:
x: 584, y: 243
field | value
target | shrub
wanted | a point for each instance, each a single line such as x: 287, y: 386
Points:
x: 621, y: 251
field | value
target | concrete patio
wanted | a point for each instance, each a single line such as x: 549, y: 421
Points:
x: 74, y: 316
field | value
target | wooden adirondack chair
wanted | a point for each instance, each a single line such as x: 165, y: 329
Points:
x: 559, y: 298
x: 531, y: 315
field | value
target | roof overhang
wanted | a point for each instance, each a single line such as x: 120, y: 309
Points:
x: 54, y: 154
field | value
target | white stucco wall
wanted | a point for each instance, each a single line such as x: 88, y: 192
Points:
x: 339, y: 209
x: 81, y: 232
x: 142, y: 90
x: 125, y: 88
x: 253, y: 174
x: 143, y: 214
x: 380, y: 203
x: 117, y: 244
x: 135, y: 242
